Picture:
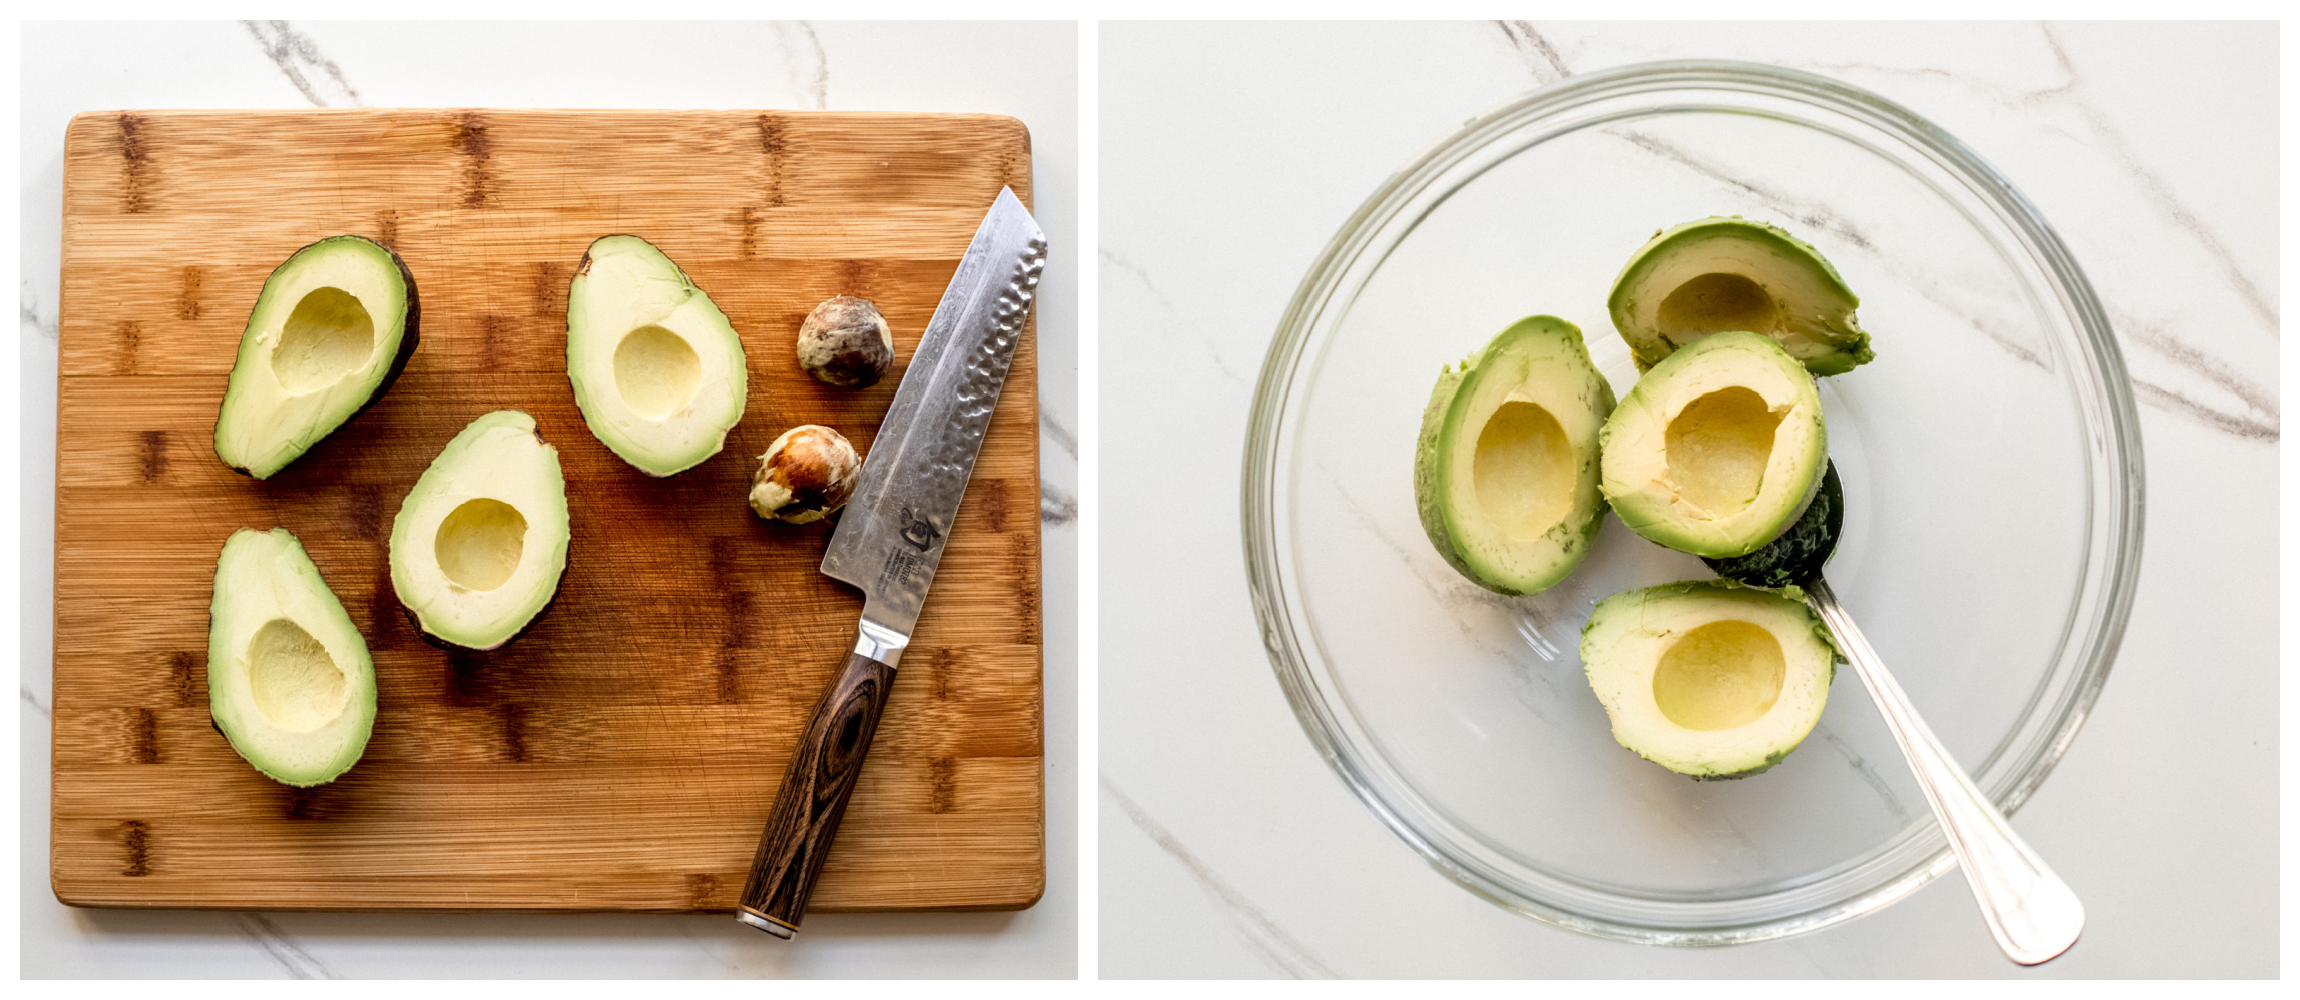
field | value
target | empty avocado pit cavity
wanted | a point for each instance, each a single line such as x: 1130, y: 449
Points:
x: 1524, y: 470
x: 298, y: 686
x: 1714, y: 303
x: 1723, y: 675
x: 657, y: 371
x: 327, y: 336
x: 1718, y: 446
x: 480, y: 542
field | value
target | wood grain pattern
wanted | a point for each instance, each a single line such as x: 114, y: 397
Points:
x: 623, y: 754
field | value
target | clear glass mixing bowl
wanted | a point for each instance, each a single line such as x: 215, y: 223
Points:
x: 1991, y: 466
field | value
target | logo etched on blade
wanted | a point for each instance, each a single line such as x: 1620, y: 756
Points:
x: 918, y: 531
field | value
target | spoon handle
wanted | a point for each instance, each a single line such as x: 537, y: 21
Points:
x: 2032, y: 913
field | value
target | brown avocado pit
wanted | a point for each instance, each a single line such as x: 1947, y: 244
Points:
x: 846, y: 342
x: 808, y: 473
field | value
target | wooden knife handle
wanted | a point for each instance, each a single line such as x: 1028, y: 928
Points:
x: 814, y: 797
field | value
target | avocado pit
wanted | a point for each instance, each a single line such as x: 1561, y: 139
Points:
x: 805, y: 476
x: 846, y: 342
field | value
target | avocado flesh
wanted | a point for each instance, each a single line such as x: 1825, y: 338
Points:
x: 1717, y: 274
x: 1708, y: 679
x: 658, y: 371
x: 290, y: 682
x: 480, y: 543
x: 331, y: 330
x: 1505, y: 472
x: 1718, y: 448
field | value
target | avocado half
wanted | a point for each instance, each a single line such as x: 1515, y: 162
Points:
x: 481, y: 541
x: 1719, y: 447
x: 658, y: 371
x: 1505, y: 474
x: 1708, y: 679
x: 331, y: 330
x: 1716, y: 274
x: 290, y: 682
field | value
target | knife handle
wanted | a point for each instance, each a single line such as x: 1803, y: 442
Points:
x: 814, y: 797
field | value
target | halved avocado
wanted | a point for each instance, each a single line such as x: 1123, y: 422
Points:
x: 290, y: 682
x: 1505, y: 474
x: 331, y: 330
x: 1718, y: 449
x: 658, y: 371
x: 1708, y: 679
x: 480, y: 542
x: 1718, y: 274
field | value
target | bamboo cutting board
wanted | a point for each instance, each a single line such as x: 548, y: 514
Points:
x: 622, y: 755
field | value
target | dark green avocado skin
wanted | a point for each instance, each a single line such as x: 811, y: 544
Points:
x: 1775, y: 757
x: 415, y: 621
x: 1794, y: 559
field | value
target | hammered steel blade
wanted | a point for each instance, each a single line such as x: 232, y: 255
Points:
x: 891, y: 536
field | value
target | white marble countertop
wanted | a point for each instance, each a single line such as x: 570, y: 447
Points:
x: 1231, y: 153
x: 1027, y: 70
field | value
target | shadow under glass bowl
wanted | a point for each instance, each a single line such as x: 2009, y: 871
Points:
x: 1990, y: 457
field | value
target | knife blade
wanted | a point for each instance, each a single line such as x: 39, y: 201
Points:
x: 890, y: 540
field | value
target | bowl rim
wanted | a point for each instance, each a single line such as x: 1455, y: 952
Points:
x: 2113, y: 459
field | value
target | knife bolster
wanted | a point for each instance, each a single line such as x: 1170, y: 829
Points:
x: 877, y: 642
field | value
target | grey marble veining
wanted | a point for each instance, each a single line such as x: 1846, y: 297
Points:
x: 1275, y: 946
x: 809, y: 68
x: 295, y: 53
x: 282, y: 948
x: 2247, y: 411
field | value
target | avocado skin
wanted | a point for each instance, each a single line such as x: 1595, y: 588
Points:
x: 415, y: 622
x: 1426, y: 470
x: 1794, y: 559
x: 1774, y: 758
x: 408, y: 337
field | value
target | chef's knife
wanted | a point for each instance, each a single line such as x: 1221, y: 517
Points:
x: 890, y: 538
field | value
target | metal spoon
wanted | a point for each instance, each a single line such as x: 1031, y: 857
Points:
x: 2032, y: 913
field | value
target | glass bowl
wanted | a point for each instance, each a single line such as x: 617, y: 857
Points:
x: 1991, y: 465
